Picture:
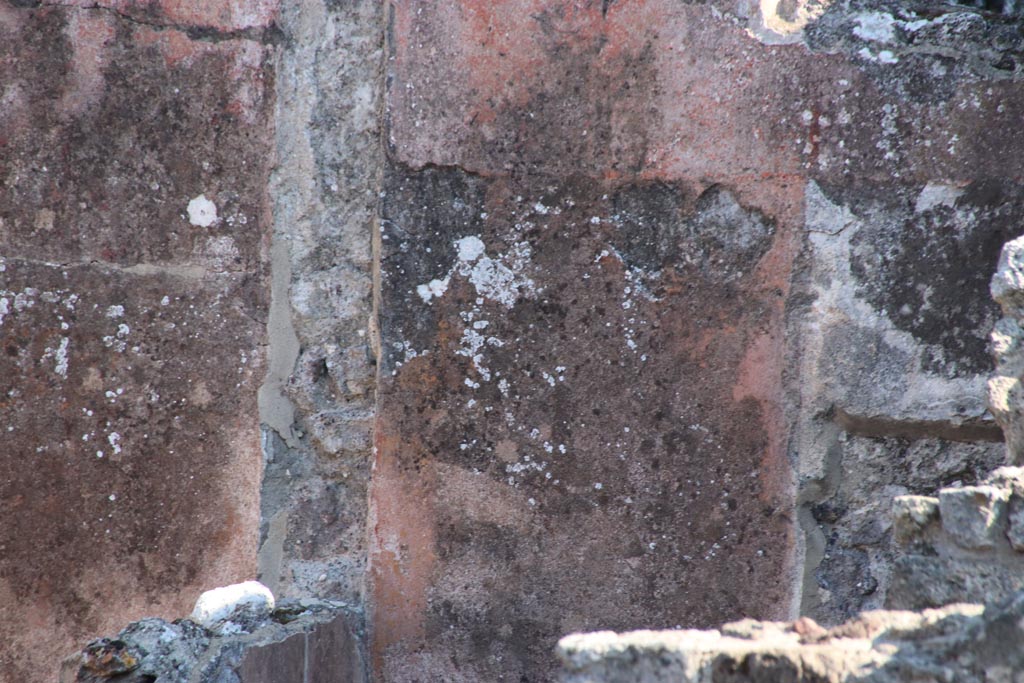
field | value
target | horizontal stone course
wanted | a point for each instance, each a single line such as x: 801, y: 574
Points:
x: 962, y: 642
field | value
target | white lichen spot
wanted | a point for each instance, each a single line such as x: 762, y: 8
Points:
x: 434, y: 288
x: 61, y: 358
x: 469, y: 248
x: 878, y: 27
x: 500, y: 279
x: 25, y: 299
x: 471, y: 345
x: 165, y: 301
x: 883, y: 57
x: 115, y: 442
x: 115, y: 311
x: 202, y: 212
x: 5, y: 308
x: 598, y: 486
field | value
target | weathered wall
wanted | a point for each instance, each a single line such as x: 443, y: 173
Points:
x: 551, y: 316
x: 594, y: 216
x: 914, y: 185
x: 587, y: 234
x: 132, y: 323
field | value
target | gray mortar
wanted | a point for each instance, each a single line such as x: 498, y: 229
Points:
x: 890, y: 369
x: 316, y: 404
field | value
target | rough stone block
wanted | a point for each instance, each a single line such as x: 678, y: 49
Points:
x: 300, y: 641
x: 913, y: 516
x: 921, y: 581
x: 1009, y: 477
x: 277, y: 662
x: 974, y: 516
x: 334, y: 654
x: 1015, y: 523
x: 965, y: 642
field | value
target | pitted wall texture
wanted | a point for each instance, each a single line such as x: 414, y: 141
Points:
x: 586, y: 239
x: 132, y: 321
x: 551, y: 316
x: 695, y: 245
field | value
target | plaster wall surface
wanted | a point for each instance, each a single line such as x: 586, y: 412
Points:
x: 545, y: 316
x: 586, y: 239
x: 734, y: 262
x: 135, y: 146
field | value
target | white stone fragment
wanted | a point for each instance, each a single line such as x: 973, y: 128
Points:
x: 937, y: 194
x: 202, y: 212
x: 214, y: 607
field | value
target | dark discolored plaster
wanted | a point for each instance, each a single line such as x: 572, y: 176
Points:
x: 130, y: 470
x: 552, y: 432
x: 133, y: 329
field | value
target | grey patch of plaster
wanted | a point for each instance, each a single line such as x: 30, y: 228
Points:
x: 869, y: 393
x: 276, y: 410
x: 317, y: 403
x: 854, y: 356
x: 271, y: 553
